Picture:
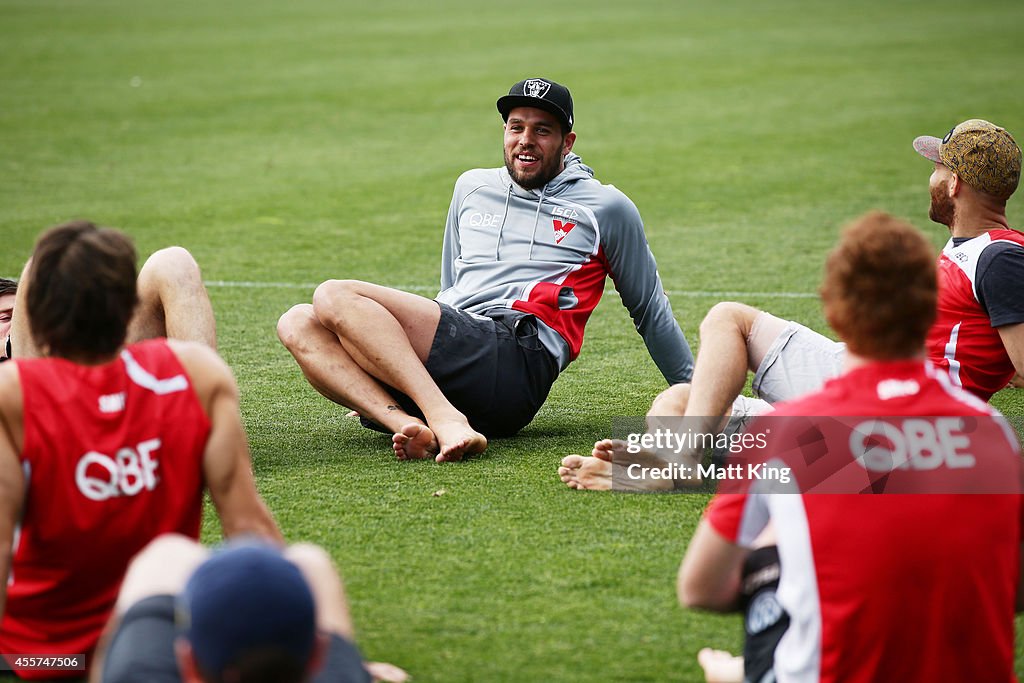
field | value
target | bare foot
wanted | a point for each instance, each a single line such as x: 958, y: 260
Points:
x: 720, y: 666
x: 457, y: 440
x: 414, y: 442
x: 382, y: 672
x: 610, y: 466
x: 579, y: 472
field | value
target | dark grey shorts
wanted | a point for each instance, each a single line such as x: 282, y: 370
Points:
x: 764, y: 619
x: 492, y: 368
x: 142, y: 649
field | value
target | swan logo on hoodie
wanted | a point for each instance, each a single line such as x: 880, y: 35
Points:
x: 561, y: 229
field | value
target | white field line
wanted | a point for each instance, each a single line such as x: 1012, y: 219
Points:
x: 693, y: 293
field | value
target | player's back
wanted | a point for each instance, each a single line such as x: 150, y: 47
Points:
x: 112, y: 456
x: 915, y: 576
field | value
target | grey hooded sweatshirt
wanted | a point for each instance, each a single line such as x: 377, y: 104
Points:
x: 547, y: 252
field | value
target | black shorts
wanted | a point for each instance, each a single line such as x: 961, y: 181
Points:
x: 142, y: 649
x: 492, y: 368
x: 764, y: 619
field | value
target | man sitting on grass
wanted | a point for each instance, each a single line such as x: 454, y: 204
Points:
x: 527, y: 251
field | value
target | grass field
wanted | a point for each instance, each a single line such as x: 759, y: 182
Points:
x: 287, y: 143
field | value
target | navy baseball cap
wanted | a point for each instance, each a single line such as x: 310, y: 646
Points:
x: 244, y: 599
x: 539, y: 93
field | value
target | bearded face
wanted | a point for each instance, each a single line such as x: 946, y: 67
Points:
x: 535, y: 146
x: 941, y: 209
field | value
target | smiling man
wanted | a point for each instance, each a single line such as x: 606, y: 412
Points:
x: 527, y: 248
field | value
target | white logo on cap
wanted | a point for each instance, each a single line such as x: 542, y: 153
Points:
x: 536, y: 87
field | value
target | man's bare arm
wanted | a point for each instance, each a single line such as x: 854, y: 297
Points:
x: 226, y: 463
x: 709, y: 577
x: 1013, y: 341
x: 12, y: 477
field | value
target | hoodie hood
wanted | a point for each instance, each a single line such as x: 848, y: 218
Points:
x: 575, y: 170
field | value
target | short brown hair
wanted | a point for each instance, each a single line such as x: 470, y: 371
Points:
x: 81, y: 290
x: 8, y: 286
x: 880, y: 287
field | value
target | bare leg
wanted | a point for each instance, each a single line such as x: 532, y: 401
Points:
x: 173, y: 301
x: 332, y: 611
x: 723, y: 361
x: 721, y: 666
x: 388, y: 334
x: 729, y: 347
x: 334, y: 373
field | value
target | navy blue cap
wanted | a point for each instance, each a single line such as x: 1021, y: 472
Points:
x: 539, y: 93
x: 246, y: 598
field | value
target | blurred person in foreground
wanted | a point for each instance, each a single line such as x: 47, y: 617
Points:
x: 246, y: 612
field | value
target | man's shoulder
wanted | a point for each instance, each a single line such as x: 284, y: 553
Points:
x: 608, y: 202
x: 478, y: 177
x: 1009, y: 234
x: 605, y: 191
x: 1003, y: 242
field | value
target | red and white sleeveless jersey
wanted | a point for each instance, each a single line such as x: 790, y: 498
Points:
x: 962, y: 341
x: 113, y: 457
x: 886, y: 585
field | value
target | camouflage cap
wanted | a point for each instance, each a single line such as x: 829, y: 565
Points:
x: 985, y: 156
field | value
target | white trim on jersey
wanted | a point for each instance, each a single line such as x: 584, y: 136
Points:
x: 966, y: 256
x: 142, y: 377
x: 798, y: 654
x: 949, y: 352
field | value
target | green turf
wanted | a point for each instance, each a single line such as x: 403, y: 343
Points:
x: 285, y: 143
